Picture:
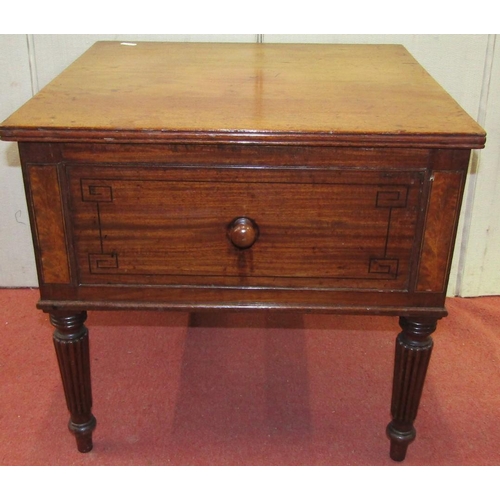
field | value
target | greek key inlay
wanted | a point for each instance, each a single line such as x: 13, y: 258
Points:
x: 102, y: 263
x: 94, y: 190
x: 384, y: 266
x: 392, y: 197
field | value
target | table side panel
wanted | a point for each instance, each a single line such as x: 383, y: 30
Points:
x: 47, y: 215
x: 449, y: 169
x: 309, y: 168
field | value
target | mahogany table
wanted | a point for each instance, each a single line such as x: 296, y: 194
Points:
x: 234, y: 176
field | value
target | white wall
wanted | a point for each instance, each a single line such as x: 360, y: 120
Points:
x: 467, y: 66
x: 17, y: 264
x: 480, y: 249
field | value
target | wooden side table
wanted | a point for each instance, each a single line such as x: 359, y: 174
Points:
x: 235, y: 176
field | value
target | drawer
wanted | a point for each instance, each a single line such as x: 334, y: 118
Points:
x: 244, y: 226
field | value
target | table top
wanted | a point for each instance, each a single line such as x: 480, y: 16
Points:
x: 259, y: 93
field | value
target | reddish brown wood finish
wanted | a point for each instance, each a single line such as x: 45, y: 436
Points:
x: 49, y: 225
x: 317, y: 228
x: 350, y: 95
x: 413, y: 352
x: 440, y: 229
x: 243, y: 232
x: 305, y: 178
x: 71, y: 342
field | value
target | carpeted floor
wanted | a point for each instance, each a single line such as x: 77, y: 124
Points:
x: 248, y: 389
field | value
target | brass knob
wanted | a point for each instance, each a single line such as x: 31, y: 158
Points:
x: 243, y: 232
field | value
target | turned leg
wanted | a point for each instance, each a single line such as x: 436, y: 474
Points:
x: 71, y: 341
x: 413, y: 352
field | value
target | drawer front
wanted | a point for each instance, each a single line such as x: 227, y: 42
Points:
x: 302, y: 228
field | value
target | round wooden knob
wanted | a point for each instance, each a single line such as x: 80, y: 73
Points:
x: 243, y: 232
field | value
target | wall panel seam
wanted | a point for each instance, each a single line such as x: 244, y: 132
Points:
x: 30, y: 40
x: 476, y: 155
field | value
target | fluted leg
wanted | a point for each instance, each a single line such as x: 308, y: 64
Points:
x: 71, y: 342
x: 413, y: 352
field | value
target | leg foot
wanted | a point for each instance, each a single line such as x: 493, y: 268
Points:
x: 400, y: 441
x: 83, y: 434
x: 413, y: 352
x: 71, y: 343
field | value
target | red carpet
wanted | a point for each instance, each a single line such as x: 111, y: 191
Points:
x: 248, y: 389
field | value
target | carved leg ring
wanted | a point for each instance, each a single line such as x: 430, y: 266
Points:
x: 71, y: 343
x: 413, y: 352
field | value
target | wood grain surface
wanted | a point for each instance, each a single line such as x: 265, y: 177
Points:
x: 282, y: 93
x: 49, y: 228
x: 319, y: 228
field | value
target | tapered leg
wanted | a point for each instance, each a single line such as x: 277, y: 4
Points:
x: 413, y: 352
x: 71, y: 341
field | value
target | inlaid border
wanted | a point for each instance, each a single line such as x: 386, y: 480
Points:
x: 49, y: 223
x: 380, y: 267
x: 444, y: 203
